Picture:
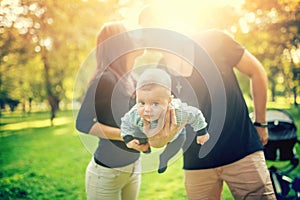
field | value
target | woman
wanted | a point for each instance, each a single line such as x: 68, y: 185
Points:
x: 114, y: 171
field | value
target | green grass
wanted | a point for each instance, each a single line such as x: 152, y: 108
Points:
x: 42, y: 163
x: 38, y: 161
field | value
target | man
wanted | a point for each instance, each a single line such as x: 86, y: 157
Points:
x: 237, y: 154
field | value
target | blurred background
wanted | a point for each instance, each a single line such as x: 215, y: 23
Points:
x: 44, y: 43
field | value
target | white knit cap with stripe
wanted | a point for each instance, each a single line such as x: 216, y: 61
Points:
x: 154, y: 76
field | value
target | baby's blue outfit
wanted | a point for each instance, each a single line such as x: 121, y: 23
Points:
x: 184, y: 113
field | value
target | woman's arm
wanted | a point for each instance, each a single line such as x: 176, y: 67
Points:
x: 104, y: 131
x: 87, y: 122
x: 112, y: 133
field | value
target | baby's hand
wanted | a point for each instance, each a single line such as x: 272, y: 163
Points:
x: 137, y: 145
x: 133, y: 143
x: 202, y: 139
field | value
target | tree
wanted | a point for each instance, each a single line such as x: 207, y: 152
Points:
x: 44, y: 42
x: 15, y: 43
x: 275, y: 25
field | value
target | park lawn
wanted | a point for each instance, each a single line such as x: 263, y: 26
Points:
x: 42, y: 162
x: 38, y: 161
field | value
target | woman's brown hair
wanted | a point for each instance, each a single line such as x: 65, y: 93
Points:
x: 118, y: 67
x: 109, y: 30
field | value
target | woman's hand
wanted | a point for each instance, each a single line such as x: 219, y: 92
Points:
x: 168, y: 128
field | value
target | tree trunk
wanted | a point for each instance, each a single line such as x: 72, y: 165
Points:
x: 30, y: 104
x: 295, y: 95
x: 52, y: 99
x: 54, y: 104
x: 273, y: 90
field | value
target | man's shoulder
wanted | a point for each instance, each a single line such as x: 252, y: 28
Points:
x: 216, y: 42
x: 210, y: 33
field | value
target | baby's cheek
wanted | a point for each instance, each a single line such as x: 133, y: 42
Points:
x: 140, y: 111
x: 157, y: 112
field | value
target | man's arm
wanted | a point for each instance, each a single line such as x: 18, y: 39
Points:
x: 251, y: 67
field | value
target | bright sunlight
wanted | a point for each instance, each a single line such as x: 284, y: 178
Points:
x: 185, y: 16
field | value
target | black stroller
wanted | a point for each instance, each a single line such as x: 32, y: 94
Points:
x: 281, y: 147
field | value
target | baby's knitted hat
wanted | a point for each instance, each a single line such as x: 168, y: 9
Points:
x: 154, y: 76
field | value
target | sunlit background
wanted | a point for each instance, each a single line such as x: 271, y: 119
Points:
x: 47, y: 57
x: 53, y: 38
x: 193, y: 14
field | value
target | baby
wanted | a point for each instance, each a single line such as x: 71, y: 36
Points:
x: 153, y: 97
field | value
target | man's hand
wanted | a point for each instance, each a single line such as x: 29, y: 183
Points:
x: 263, y: 134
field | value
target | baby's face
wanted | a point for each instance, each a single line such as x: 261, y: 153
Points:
x: 152, y: 102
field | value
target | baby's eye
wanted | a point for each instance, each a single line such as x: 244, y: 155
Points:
x: 141, y: 103
x: 155, y: 104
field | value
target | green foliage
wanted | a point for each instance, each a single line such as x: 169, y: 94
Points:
x: 271, y: 31
x: 44, y: 44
